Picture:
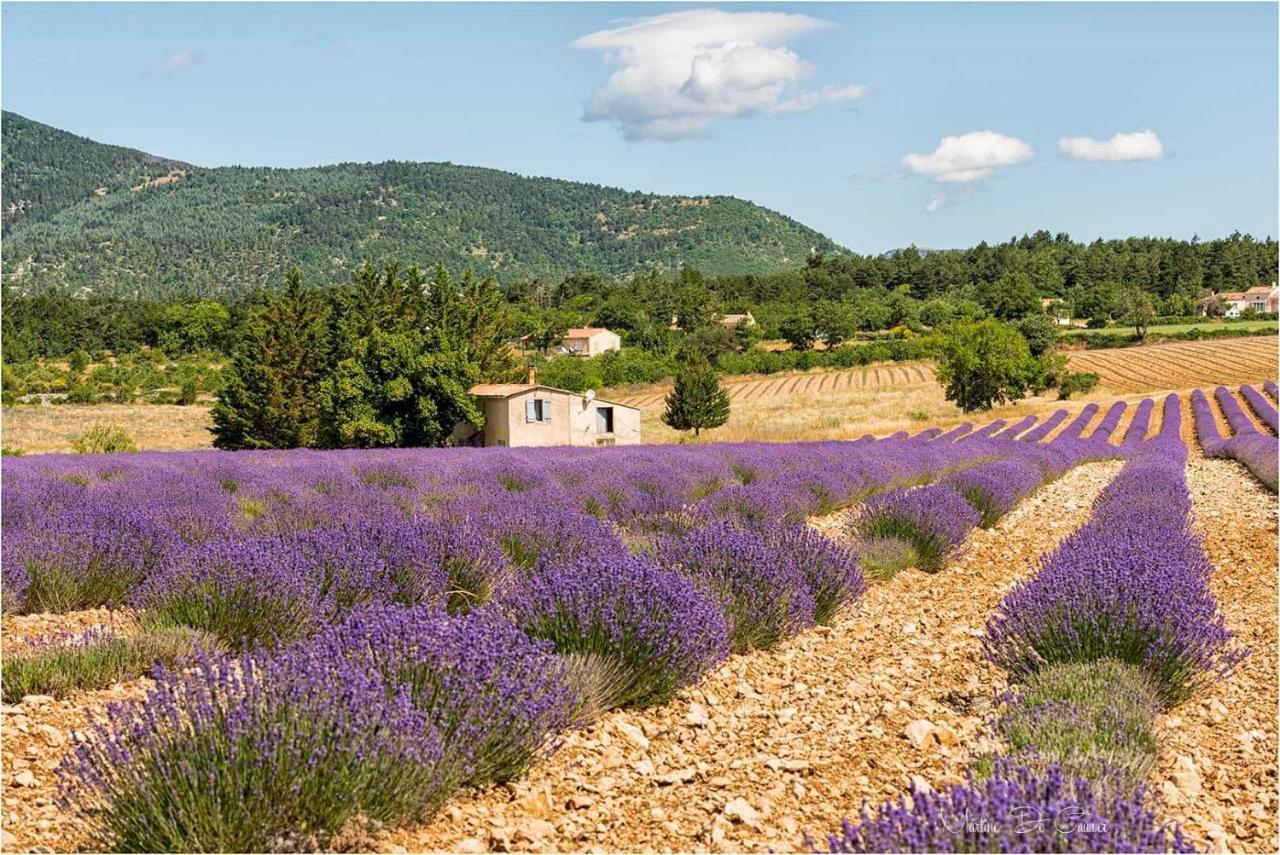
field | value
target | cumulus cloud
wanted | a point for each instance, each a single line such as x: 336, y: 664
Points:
x: 1139, y: 145
x: 674, y: 74
x: 175, y: 61
x: 969, y: 157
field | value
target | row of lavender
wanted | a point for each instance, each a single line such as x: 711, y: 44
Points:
x: 415, y: 622
x: 1116, y: 626
x: 1248, y: 445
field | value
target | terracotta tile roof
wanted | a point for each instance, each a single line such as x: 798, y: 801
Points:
x: 584, y: 332
x: 500, y: 390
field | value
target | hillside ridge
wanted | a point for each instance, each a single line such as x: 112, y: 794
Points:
x: 86, y: 218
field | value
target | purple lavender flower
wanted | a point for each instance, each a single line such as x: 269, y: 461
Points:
x: 760, y: 585
x: 994, y: 488
x: 659, y: 630
x: 1130, y: 585
x: 1265, y: 409
x: 935, y: 520
x: 495, y: 697
x: 1015, y: 809
x: 231, y: 754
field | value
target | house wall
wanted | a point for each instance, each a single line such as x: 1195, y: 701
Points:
x: 603, y: 341
x: 626, y: 423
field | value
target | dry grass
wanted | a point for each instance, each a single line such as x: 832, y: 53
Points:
x: 160, y: 427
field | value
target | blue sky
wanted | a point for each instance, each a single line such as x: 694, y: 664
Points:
x: 835, y: 114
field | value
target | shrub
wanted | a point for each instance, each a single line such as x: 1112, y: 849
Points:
x: 882, y: 557
x: 935, y: 520
x: 659, y: 629
x: 495, y: 696
x: 759, y: 584
x: 103, y: 438
x: 1131, y: 585
x: 80, y: 559
x: 1016, y: 809
x: 830, y: 569
x: 1076, y: 383
x: 994, y: 488
x: 95, y: 660
x: 1094, y: 719
x: 235, y: 753
x: 247, y: 591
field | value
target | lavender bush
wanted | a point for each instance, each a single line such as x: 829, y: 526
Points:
x: 994, y: 488
x: 1130, y: 585
x: 1265, y: 410
x: 1094, y: 719
x: 933, y: 519
x: 232, y: 754
x: 660, y: 631
x: 759, y: 585
x: 494, y: 697
x: 1015, y: 809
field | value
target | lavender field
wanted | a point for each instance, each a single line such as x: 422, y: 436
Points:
x: 357, y: 640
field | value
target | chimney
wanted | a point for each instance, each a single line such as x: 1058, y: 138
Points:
x: 533, y: 376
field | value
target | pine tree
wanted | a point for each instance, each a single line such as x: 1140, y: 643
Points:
x: 697, y: 402
x: 267, y: 398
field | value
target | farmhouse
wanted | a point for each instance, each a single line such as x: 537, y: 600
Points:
x: 529, y: 414
x: 589, y: 341
x: 1261, y: 298
x: 746, y: 319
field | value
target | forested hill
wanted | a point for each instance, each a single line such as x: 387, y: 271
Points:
x: 47, y: 170
x: 105, y: 220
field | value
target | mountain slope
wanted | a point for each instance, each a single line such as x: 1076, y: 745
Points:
x: 228, y: 230
x: 47, y: 170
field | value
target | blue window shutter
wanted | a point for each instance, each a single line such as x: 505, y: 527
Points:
x: 529, y: 411
x: 546, y: 410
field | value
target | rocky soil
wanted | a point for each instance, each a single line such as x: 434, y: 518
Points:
x: 780, y: 743
x: 1217, y: 769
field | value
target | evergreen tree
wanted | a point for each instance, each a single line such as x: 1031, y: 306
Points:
x: 268, y: 396
x: 697, y: 402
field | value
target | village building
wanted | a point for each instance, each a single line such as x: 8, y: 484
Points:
x: 1262, y: 299
x: 589, y: 341
x: 526, y: 415
x: 746, y: 319
x: 1056, y: 309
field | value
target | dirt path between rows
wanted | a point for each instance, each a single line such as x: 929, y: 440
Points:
x: 779, y: 743
x: 1217, y: 769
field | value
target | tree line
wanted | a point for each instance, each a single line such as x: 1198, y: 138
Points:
x: 385, y: 361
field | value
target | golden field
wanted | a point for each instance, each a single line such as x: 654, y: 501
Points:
x: 876, y: 399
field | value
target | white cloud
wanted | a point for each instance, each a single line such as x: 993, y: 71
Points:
x: 178, y: 60
x: 1139, y: 145
x: 969, y: 157
x: 674, y: 74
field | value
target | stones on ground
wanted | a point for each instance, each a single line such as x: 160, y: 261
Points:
x: 919, y: 732
x: 633, y: 734
x: 740, y: 810
x: 697, y: 715
x: 25, y: 778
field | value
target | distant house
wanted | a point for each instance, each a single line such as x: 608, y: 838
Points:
x: 734, y: 320
x: 520, y: 415
x: 589, y: 341
x: 1057, y: 309
x: 1261, y: 298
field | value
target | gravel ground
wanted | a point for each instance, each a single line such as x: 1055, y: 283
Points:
x: 783, y: 742
x: 1217, y: 770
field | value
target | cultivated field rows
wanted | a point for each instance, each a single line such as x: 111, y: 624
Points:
x: 759, y: 750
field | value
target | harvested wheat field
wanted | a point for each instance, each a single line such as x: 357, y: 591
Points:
x: 883, y: 375
x: 1182, y: 364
